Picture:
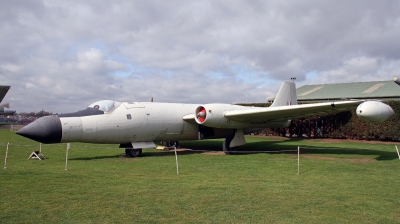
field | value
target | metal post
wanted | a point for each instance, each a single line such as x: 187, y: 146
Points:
x: 176, y: 159
x: 66, y: 157
x: 298, y: 160
x: 5, y: 159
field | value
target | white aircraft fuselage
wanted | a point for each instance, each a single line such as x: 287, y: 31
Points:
x: 132, y: 122
x: 143, y: 122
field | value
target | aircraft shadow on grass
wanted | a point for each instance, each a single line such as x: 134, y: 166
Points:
x: 95, y: 157
x: 267, y: 146
x: 275, y: 147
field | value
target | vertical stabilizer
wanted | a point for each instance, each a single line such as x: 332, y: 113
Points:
x: 286, y: 95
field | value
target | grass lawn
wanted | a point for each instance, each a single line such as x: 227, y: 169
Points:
x: 339, y: 182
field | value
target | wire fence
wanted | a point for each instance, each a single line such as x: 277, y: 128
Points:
x: 59, y: 145
x: 68, y: 146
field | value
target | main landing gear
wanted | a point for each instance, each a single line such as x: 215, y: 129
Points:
x: 133, y: 152
x: 229, y: 150
x: 170, y: 144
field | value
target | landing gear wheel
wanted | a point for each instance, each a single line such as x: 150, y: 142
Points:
x: 228, y: 150
x: 171, y: 144
x: 133, y: 152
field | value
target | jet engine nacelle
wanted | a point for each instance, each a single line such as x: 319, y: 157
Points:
x: 212, y: 115
x: 374, y: 111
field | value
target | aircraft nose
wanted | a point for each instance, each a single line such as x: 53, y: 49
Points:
x: 45, y: 130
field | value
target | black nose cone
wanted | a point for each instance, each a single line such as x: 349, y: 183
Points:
x: 45, y: 130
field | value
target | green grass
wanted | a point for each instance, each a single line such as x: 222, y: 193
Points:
x: 339, y: 182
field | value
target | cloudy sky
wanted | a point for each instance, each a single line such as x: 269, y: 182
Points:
x: 61, y: 56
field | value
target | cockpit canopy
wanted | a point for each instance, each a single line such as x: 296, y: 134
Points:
x: 105, y: 105
x: 97, y: 108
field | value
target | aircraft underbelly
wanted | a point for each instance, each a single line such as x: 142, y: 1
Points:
x: 189, y: 132
x: 158, y: 124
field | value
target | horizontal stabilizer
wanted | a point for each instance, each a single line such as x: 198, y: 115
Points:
x: 3, y: 91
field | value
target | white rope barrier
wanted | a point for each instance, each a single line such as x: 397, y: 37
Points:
x: 92, y: 146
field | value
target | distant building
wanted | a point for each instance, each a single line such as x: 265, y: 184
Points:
x: 378, y: 90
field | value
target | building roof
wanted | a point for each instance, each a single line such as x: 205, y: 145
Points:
x: 381, y: 90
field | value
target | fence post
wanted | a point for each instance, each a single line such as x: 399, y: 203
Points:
x: 66, y: 157
x: 176, y: 159
x: 298, y: 160
x: 5, y: 159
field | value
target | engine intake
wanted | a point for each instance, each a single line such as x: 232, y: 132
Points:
x: 212, y: 115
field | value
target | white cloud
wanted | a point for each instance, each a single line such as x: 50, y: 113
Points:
x: 10, y: 68
x: 28, y: 85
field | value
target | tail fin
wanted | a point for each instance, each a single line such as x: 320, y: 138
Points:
x: 286, y: 95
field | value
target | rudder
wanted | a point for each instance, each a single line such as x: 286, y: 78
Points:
x: 286, y: 95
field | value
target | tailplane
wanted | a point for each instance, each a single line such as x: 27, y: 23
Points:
x: 286, y: 95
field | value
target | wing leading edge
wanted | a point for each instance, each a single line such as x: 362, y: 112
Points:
x: 280, y: 113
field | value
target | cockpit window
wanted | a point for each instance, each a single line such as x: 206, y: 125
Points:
x: 104, y: 105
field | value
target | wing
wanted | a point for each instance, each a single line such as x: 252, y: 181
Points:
x: 280, y: 113
x: 3, y: 91
x: 283, y: 108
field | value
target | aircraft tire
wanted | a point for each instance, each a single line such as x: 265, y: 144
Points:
x: 133, y: 152
x: 228, y: 150
x: 171, y: 144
